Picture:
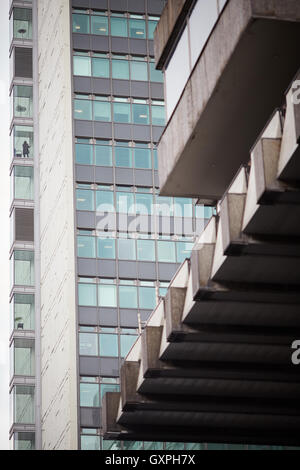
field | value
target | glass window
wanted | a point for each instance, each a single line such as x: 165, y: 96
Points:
x: 103, y: 155
x: 164, y: 205
x: 24, y: 441
x: 24, y: 268
x: 106, y: 388
x: 108, y: 345
x: 23, y: 404
x: 90, y: 442
x: 86, y: 247
x: 119, y: 27
x: 140, y: 113
x: 107, y: 296
x: 166, y: 252
x: 100, y: 67
x: 125, y: 203
x: 24, y: 357
x: 23, y: 101
x: 128, y: 297
x: 142, y: 158
x: 144, y: 204
x: 24, y: 312
x: 22, y: 23
x: 151, y: 28
x: 23, y: 142
x: 183, y: 251
x: 85, y: 200
x: 123, y: 157
x: 122, y: 112
x: 105, y: 201
x: 82, y: 66
x: 120, y: 69
x: 83, y: 109
x: 24, y: 188
x: 81, y: 23
x: 155, y: 158
x: 155, y: 75
x: 106, y: 248
x: 87, y: 295
x: 99, y: 25
x: 88, y: 344
x: 89, y: 395
x: 183, y: 207
x: 84, y: 154
x: 139, y: 71
x: 147, y: 298
x: 126, y: 249
x: 146, y: 250
x: 158, y: 115
x: 102, y: 111
x: 127, y: 341
x: 153, y: 446
x: 137, y: 29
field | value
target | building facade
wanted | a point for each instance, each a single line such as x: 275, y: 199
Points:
x: 94, y: 245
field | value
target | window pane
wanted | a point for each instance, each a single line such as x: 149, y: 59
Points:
x: 22, y: 23
x: 166, y: 252
x: 119, y: 27
x: 128, y: 297
x: 90, y: 442
x: 140, y: 113
x: 109, y: 345
x: 107, y: 296
x: 127, y: 341
x: 83, y: 109
x: 24, y: 357
x: 24, y: 268
x: 125, y: 203
x: 120, y: 69
x: 86, y: 247
x: 158, y: 115
x: 146, y: 250
x: 137, y: 29
x: 183, y: 207
x: 155, y: 157
x: 88, y: 344
x: 151, y: 28
x: 102, y: 111
x: 126, y: 249
x: 24, y: 312
x: 123, y: 157
x: 105, y: 201
x: 147, y: 297
x: 81, y: 23
x: 103, y: 155
x: 99, y: 25
x: 106, y: 248
x: 85, y: 200
x: 155, y: 75
x: 82, y: 66
x: 144, y: 204
x: 100, y: 67
x: 23, y: 100
x: 183, y: 251
x: 24, y: 404
x: 89, y: 395
x: 142, y: 158
x: 87, y: 295
x: 105, y: 388
x: 23, y: 182
x: 121, y: 112
x: 139, y: 71
x: 23, y: 142
x: 84, y: 154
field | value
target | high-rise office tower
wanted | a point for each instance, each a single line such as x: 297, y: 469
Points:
x: 94, y: 246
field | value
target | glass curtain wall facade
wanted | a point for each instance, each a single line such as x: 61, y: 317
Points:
x: 22, y: 342
x: 130, y: 241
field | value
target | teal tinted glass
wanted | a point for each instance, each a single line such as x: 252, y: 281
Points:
x: 106, y: 388
x: 120, y: 69
x: 85, y: 200
x: 125, y: 203
x: 142, y: 158
x: 183, y: 207
x: 155, y: 75
x: 83, y: 109
x: 151, y: 28
x: 105, y: 201
x: 121, y: 112
x: 140, y: 113
x: 82, y: 66
x: 84, y: 154
x: 155, y: 157
x: 127, y: 341
x: 99, y: 25
x: 102, y: 111
x: 103, y: 154
x: 100, y: 67
x: 23, y: 182
x: 109, y: 345
x: 81, y: 23
x: 22, y: 23
x: 166, y: 252
x: 107, y: 296
x: 144, y: 204
x: 147, y: 298
x: 123, y: 157
x: 106, y: 248
x: 86, y: 247
x: 128, y: 297
x: 23, y: 101
x: 183, y: 251
x: 90, y: 443
x: 88, y: 344
x: 119, y: 27
x: 139, y: 71
x: 87, y: 295
x: 137, y: 29
x: 158, y: 115
x: 146, y: 250
x: 126, y: 249
x: 89, y: 395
